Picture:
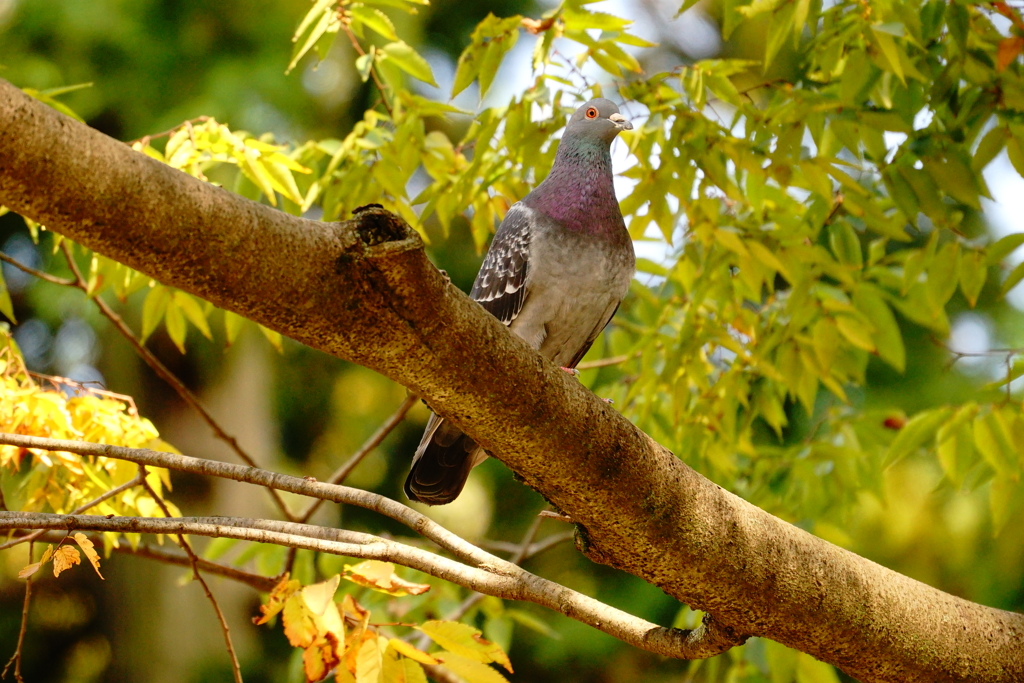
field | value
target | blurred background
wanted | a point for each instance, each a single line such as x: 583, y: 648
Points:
x: 156, y: 63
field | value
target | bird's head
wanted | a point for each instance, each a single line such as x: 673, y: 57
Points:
x: 598, y: 119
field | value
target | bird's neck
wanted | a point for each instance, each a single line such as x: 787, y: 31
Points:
x: 579, y: 192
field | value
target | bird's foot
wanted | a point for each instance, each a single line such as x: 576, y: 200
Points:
x: 572, y: 371
x: 607, y: 400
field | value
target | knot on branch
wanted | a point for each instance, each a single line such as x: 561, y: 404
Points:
x: 376, y: 225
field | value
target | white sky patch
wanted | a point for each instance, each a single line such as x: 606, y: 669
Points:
x: 972, y: 333
x: 1005, y: 212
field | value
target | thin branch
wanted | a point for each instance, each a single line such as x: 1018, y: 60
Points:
x: 476, y: 597
x: 194, y: 561
x: 534, y: 550
x: 373, y: 69
x: 263, y: 584
x: 146, y: 138
x: 166, y: 375
x: 416, y: 521
x: 375, y: 440
x: 497, y: 580
x: 605, y: 362
x: 15, y: 659
x: 38, y: 273
x: 79, y: 510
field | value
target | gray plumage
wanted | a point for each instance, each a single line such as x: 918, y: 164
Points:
x: 558, y: 267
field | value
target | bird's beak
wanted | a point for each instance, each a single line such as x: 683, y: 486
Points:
x: 620, y: 122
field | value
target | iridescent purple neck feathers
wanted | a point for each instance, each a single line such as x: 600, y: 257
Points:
x: 579, y: 192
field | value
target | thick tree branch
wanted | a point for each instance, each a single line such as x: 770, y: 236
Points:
x: 363, y: 290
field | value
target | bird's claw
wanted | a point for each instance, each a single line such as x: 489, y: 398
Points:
x: 608, y: 401
x: 572, y: 371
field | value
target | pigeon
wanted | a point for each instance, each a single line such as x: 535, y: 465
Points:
x: 559, y: 265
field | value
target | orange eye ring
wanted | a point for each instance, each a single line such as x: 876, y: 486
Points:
x: 592, y: 113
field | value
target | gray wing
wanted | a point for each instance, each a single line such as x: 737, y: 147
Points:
x: 500, y: 285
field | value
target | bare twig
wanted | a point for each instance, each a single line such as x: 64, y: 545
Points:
x: 476, y: 597
x: 165, y: 374
x: 534, y: 550
x: 38, y: 273
x: 146, y: 138
x: 373, y: 69
x: 605, y: 362
x: 263, y: 584
x: 15, y: 659
x: 79, y: 510
x: 375, y: 440
x: 485, y: 572
x: 194, y: 561
x: 499, y: 578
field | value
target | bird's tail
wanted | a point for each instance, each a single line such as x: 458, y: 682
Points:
x: 442, y: 463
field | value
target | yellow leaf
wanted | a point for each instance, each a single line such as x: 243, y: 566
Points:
x: 472, y: 671
x: 411, y: 652
x: 319, y: 595
x: 380, y: 576
x: 65, y: 557
x: 299, y: 625
x: 284, y: 589
x: 856, y: 331
x: 465, y: 641
x: 87, y: 547
x: 31, y: 569
x: 398, y: 669
x: 320, y: 657
x: 370, y: 660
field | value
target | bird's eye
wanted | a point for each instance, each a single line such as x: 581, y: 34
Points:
x: 591, y: 113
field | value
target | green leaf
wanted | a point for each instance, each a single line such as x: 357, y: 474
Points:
x: 994, y: 444
x: 1002, y: 248
x: 364, y: 63
x: 973, y: 272
x: 989, y: 147
x: 779, y: 29
x: 956, y: 179
x: 273, y: 337
x: 887, y: 336
x: 845, y: 244
x: 1015, y: 150
x: 890, y: 50
x: 193, y: 312
x: 1013, y: 278
x: 375, y: 19
x: 810, y: 670
x: 920, y: 429
x: 409, y: 61
x: 942, y: 273
x: 6, y: 305
x: 232, y: 326
x: 177, y: 329
x: 328, y: 21
x: 1001, y: 502
x: 154, y: 308
x: 532, y: 622
x: 955, y: 444
x: 781, y: 661
x: 493, y: 55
